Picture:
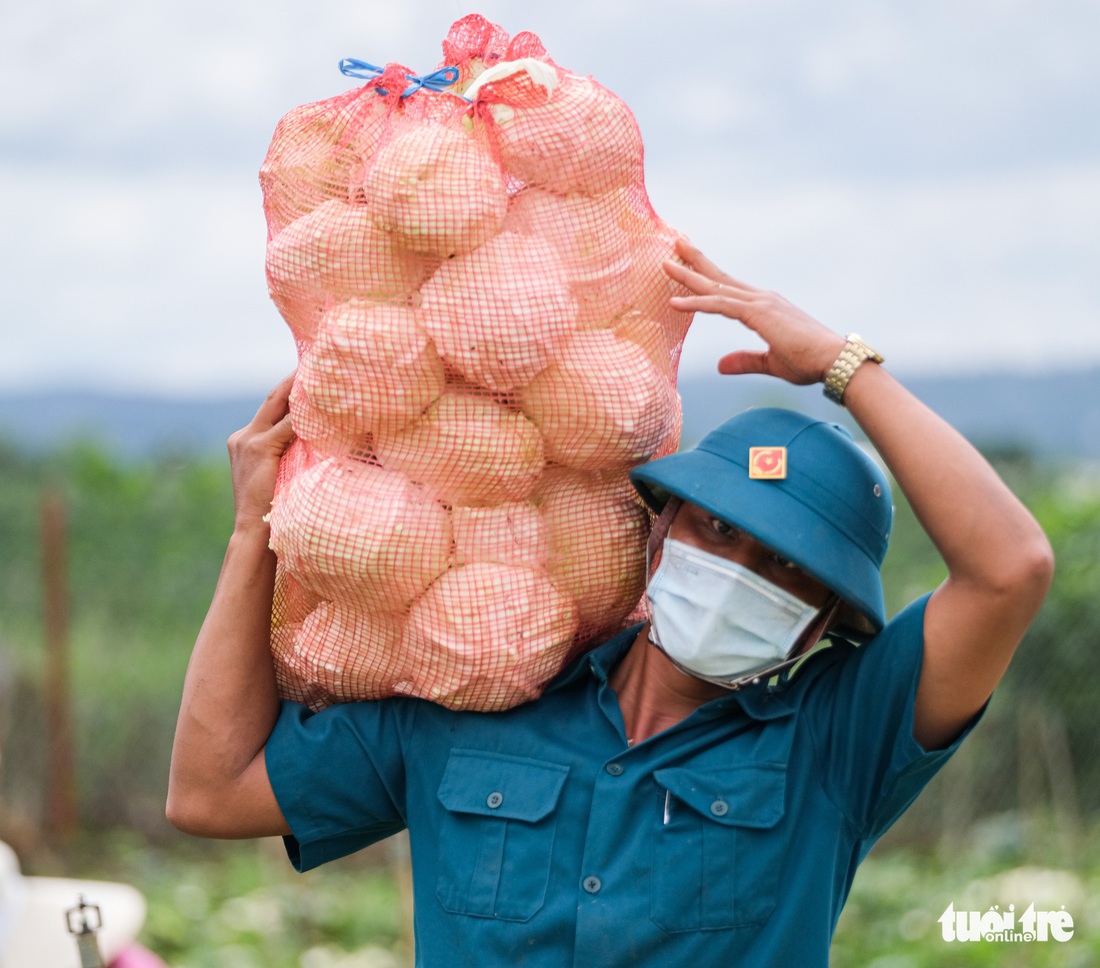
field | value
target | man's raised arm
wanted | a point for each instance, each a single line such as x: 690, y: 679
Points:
x: 999, y: 561
x: 218, y: 785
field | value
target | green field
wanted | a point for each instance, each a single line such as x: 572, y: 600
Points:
x: 1014, y: 819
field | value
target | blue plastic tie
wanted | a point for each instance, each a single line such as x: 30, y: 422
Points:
x: 438, y: 80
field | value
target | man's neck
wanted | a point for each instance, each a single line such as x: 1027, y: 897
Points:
x: 653, y: 694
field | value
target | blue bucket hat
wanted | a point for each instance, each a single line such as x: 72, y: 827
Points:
x: 803, y: 487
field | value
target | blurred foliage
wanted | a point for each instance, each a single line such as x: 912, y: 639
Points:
x: 1059, y: 668
x: 892, y: 916
x: 146, y: 541
x: 145, y: 538
x: 241, y: 905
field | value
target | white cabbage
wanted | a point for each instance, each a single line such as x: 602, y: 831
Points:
x: 335, y: 253
x: 602, y: 405
x: 356, y: 533
x: 438, y: 190
x: 290, y: 680
x: 292, y: 602
x: 590, y: 235
x: 597, y: 531
x: 351, y: 654
x: 488, y: 636
x: 539, y: 73
x: 499, y: 313
x: 584, y: 139
x: 372, y: 366
x: 314, y: 154
x: 658, y: 341
x: 468, y: 448
x: 509, y: 534
x: 327, y: 433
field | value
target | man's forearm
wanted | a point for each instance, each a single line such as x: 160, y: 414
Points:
x: 230, y: 701
x: 980, y: 528
x: 998, y: 560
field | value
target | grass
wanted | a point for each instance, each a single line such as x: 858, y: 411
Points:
x: 240, y: 905
x: 892, y: 916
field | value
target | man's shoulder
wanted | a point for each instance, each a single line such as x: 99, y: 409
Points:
x: 899, y: 642
x: 597, y: 658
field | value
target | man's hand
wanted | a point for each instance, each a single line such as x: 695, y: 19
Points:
x: 254, y: 454
x: 799, y: 349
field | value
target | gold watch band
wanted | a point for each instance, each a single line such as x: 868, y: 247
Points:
x: 852, y: 357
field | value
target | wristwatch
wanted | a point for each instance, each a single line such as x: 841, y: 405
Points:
x: 852, y: 357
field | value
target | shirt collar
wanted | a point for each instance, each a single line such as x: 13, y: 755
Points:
x: 599, y: 661
x: 761, y: 702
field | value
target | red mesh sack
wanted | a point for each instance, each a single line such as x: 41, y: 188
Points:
x: 471, y: 269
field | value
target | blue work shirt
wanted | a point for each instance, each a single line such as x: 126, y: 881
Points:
x: 540, y: 838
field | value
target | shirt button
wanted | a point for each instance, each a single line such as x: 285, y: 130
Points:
x: 494, y: 799
x: 719, y: 808
x: 592, y: 884
x: 615, y: 769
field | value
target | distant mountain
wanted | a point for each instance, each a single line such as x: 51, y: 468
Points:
x: 127, y: 426
x: 1051, y: 414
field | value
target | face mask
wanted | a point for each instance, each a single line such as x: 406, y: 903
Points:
x: 719, y: 621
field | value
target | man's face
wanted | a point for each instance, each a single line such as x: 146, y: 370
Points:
x: 701, y: 529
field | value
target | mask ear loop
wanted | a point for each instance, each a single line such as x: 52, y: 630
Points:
x: 826, y: 618
x: 657, y: 534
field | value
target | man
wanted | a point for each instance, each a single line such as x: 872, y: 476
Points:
x: 673, y: 798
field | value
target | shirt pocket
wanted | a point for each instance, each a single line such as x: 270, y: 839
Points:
x: 719, y: 847
x: 497, y: 834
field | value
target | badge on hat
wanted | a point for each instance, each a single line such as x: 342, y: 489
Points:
x: 767, y: 463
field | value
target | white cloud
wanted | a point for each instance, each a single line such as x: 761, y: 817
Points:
x: 138, y: 281
x: 865, y: 45
x: 923, y: 173
x: 950, y: 273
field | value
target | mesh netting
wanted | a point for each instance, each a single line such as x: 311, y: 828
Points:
x: 473, y: 278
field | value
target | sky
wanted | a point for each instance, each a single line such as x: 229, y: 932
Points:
x: 926, y: 174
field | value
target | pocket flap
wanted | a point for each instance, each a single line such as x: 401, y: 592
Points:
x: 496, y: 785
x: 741, y: 796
